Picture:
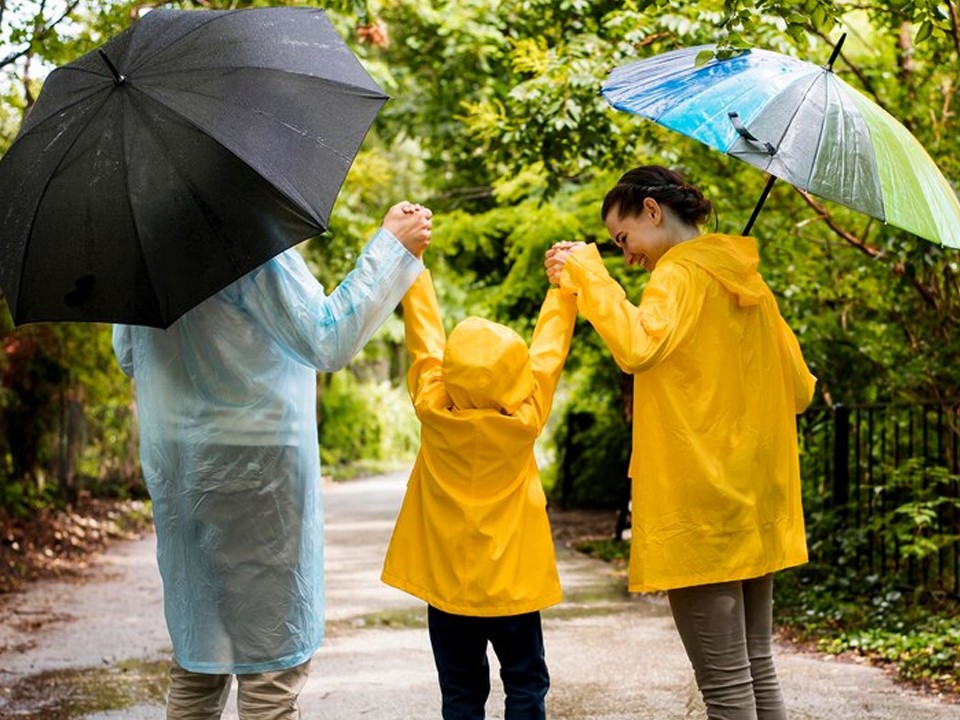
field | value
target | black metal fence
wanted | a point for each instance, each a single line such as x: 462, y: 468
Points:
x: 882, y: 490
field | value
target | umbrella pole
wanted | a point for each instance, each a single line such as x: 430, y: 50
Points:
x: 756, y: 210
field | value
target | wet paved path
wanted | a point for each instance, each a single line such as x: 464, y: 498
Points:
x: 611, y: 656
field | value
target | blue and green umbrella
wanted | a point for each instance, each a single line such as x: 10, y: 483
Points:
x: 799, y: 122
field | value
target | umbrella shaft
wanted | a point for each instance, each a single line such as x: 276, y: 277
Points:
x: 756, y: 210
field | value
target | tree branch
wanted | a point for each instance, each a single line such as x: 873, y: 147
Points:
x: 27, y: 94
x: 846, y: 235
x: 39, y: 35
x: 954, y: 25
x: 905, y: 65
x: 899, y: 269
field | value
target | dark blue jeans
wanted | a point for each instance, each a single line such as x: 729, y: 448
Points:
x: 460, y: 651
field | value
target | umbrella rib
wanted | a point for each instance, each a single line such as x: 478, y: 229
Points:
x: 151, y: 57
x: 299, y: 201
x: 329, y: 81
x: 184, y: 178
x: 33, y: 218
x: 257, y: 111
x: 31, y: 125
x: 793, y: 116
x: 154, y: 295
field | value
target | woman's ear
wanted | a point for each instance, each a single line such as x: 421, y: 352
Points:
x: 652, y: 208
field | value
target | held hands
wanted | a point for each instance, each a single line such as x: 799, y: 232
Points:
x: 557, y: 256
x: 410, y: 223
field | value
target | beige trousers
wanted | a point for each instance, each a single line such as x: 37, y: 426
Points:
x: 260, y: 696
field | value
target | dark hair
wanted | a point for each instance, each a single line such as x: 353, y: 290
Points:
x: 665, y: 186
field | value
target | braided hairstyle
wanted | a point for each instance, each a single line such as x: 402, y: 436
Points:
x: 665, y: 186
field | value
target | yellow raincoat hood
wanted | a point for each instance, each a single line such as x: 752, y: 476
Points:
x: 487, y: 365
x: 718, y: 381
x: 732, y: 263
x: 472, y: 536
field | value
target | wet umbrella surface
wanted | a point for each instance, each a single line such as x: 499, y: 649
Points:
x: 185, y: 152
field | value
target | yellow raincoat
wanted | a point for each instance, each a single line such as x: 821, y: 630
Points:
x: 472, y: 536
x: 718, y: 381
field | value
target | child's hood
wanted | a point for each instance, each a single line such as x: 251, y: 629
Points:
x: 487, y: 365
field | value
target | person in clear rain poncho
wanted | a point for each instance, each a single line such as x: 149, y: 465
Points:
x: 226, y: 399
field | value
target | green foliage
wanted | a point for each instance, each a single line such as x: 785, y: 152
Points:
x: 919, y: 496
x: 64, y: 416
x: 607, y: 549
x: 872, y: 619
x: 593, y: 444
x: 364, y: 422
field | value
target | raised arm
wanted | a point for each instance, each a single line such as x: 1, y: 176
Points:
x: 550, y: 345
x: 326, y: 331
x: 638, y: 336
x: 424, y: 335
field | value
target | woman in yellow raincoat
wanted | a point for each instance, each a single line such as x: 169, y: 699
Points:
x: 718, y: 381
x: 472, y: 538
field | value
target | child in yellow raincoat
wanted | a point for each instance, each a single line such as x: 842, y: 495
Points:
x: 472, y: 538
x: 718, y: 381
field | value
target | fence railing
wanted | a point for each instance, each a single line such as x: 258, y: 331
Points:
x: 881, y: 490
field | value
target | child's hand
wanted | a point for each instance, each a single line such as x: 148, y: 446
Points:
x: 557, y: 256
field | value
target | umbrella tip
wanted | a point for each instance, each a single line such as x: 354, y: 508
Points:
x: 836, y: 52
x: 117, y: 77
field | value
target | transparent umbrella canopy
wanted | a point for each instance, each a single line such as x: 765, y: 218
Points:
x: 799, y: 122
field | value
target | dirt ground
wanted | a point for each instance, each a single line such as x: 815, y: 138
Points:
x: 61, y: 544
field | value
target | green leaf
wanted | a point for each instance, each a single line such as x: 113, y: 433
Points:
x: 819, y: 17
x: 703, y: 57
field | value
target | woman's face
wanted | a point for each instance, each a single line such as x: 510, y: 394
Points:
x: 641, y: 237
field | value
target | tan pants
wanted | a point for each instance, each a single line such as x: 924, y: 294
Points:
x: 261, y: 696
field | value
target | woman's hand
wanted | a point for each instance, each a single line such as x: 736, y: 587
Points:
x: 557, y: 256
x: 411, y: 224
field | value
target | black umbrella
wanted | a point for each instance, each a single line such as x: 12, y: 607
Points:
x: 188, y: 150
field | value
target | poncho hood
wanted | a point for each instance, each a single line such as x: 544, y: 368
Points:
x: 733, y: 260
x: 487, y: 365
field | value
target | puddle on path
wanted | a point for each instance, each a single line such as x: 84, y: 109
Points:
x: 73, y: 693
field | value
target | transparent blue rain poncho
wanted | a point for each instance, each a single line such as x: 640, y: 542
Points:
x: 226, y: 399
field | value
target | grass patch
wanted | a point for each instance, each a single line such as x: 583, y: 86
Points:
x: 613, y: 551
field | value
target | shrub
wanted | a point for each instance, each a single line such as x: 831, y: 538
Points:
x: 363, y: 422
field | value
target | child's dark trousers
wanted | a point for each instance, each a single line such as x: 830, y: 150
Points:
x: 460, y: 650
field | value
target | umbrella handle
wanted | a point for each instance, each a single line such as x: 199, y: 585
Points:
x: 747, y: 135
x: 756, y: 210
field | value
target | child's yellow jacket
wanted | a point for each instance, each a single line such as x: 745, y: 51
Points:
x: 472, y: 536
x: 718, y: 381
